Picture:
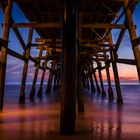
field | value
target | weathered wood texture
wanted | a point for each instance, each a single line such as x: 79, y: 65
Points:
x: 115, y: 70
x: 68, y: 93
x: 3, y: 52
x: 133, y: 36
x: 25, y: 68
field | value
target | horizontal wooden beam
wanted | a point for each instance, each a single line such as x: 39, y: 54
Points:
x: 103, y: 25
x: 47, y: 40
x: 99, y: 59
x: 58, y: 25
x: 102, y: 68
x: 126, y: 61
x: 51, y: 57
x: 49, y: 49
x: 37, y: 25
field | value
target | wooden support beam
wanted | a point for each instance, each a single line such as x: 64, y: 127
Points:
x: 100, y: 77
x: 32, y: 93
x: 94, y: 45
x: 80, y: 102
x: 19, y: 37
x: 101, y: 68
x: 49, y: 40
x: 37, y: 25
x: 50, y: 79
x: 68, y: 91
x: 41, y: 84
x: 126, y: 61
x: 92, y: 87
x: 87, y: 79
x: 3, y: 43
x: 25, y: 68
x: 117, y: 20
x: 43, y: 76
x: 16, y: 55
x: 115, y: 70
x: 23, y: 58
x: 94, y: 74
x: 110, y: 90
x: 49, y: 49
x: 58, y: 81
x: 51, y: 46
x: 103, y: 26
x: 121, y: 35
x: 36, y: 62
x: 133, y: 36
x: 3, y: 52
x: 136, y: 42
x: 55, y: 80
x: 122, y: 32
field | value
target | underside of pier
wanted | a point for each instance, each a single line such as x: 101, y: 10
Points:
x: 77, y: 39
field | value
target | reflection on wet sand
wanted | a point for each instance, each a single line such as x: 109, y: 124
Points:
x: 101, y: 121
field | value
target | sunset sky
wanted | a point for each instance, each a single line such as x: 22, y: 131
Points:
x: 127, y: 73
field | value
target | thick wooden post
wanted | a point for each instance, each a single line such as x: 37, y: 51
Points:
x: 133, y: 35
x: 43, y: 76
x: 115, y: 70
x: 87, y: 79
x: 110, y: 91
x: 3, y: 52
x: 32, y: 93
x: 55, y: 80
x: 68, y: 93
x: 101, y: 79
x: 25, y: 68
x: 94, y: 74
x: 49, y: 84
x: 84, y: 79
x: 41, y: 84
x: 80, y: 101
x: 58, y: 76
x: 92, y: 87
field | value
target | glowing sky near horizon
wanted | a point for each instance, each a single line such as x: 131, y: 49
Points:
x: 127, y: 73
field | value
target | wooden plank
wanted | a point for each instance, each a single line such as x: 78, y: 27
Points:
x: 47, y: 40
x: 103, y: 25
x: 37, y: 25
x: 126, y: 61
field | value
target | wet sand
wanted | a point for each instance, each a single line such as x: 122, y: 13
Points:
x: 101, y: 121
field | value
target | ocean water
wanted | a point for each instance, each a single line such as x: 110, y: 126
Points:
x: 101, y: 120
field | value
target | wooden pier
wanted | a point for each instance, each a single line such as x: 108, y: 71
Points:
x: 77, y: 39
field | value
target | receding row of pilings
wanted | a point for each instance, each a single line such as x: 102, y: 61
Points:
x: 71, y: 73
x: 70, y: 66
